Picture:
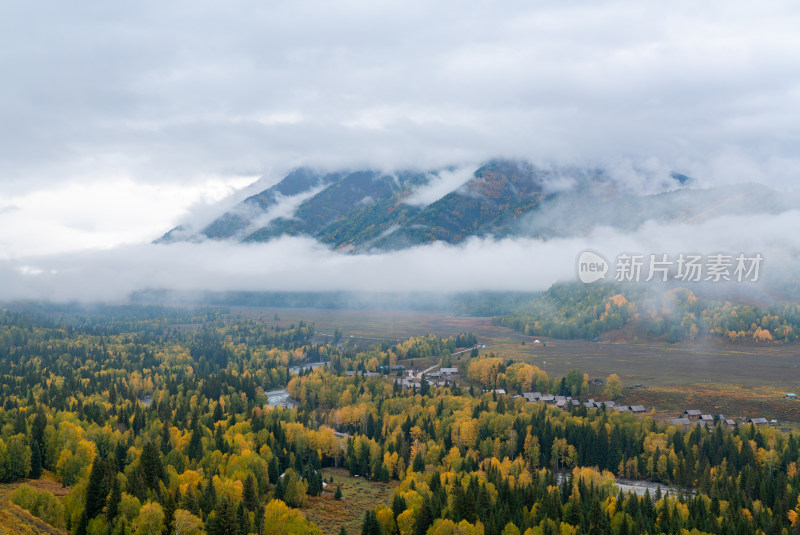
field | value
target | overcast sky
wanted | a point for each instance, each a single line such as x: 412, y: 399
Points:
x: 116, y: 120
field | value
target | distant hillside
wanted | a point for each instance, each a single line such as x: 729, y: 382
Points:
x: 366, y: 210
x: 575, y: 310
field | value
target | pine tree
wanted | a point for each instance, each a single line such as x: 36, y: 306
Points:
x: 399, y: 505
x: 96, y: 489
x: 83, y: 523
x: 151, y: 465
x: 419, y: 463
x: 274, y: 470
x: 37, y: 432
x: 112, y: 506
x: 136, y: 485
x: 121, y: 455
x: 250, y: 493
x: 338, y: 494
x: 370, y: 525
x: 195, y: 451
x: 36, y: 460
x: 190, y: 503
x: 165, y: 439
x: 208, y: 500
x: 223, y: 520
x: 219, y: 440
x: 423, y: 521
x: 20, y: 424
x: 242, y: 520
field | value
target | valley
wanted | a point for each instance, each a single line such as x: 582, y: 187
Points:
x: 719, y: 377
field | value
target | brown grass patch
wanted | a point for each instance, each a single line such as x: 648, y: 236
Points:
x: 17, y: 521
x: 359, y: 496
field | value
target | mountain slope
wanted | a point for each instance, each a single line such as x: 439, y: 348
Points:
x: 499, y: 192
x: 350, y: 195
x: 237, y: 220
x: 367, y: 210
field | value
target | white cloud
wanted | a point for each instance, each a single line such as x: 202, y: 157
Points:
x: 301, y: 264
x: 115, y: 119
x: 75, y: 215
x: 440, y: 184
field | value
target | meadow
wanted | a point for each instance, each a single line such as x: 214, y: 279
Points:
x: 358, y: 495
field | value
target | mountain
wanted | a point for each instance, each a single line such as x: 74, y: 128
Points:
x: 366, y: 210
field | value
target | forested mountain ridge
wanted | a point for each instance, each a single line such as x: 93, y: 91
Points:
x: 675, y: 314
x: 365, y: 210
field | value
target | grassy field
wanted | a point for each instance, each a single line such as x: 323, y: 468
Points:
x: 359, y: 495
x: 711, y: 375
x: 17, y: 521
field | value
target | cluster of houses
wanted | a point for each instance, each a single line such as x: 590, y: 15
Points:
x: 565, y: 402
x: 696, y: 417
x: 443, y: 377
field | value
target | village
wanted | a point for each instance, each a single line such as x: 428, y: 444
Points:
x: 437, y: 376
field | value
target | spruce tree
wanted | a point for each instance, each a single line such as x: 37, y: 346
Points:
x: 165, y: 439
x: 208, y: 500
x: 223, y: 521
x: 37, y: 432
x: 250, y: 493
x: 112, y: 505
x: 96, y: 489
x: 152, y: 466
x: 36, y: 460
x: 370, y: 525
x: 195, y: 451
x: 190, y: 503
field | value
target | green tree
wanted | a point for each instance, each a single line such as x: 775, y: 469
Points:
x: 370, y: 525
x: 250, y: 493
x: 613, y: 386
x: 96, y: 489
x: 223, y: 520
x: 150, y: 520
x: 195, y: 449
x: 573, y: 382
x: 36, y: 460
x: 112, y: 505
x: 15, y: 458
x: 151, y: 465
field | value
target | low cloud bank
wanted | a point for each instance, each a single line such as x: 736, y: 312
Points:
x: 302, y: 264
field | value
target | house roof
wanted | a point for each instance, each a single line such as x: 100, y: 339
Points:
x: 637, y: 408
x: 692, y: 412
